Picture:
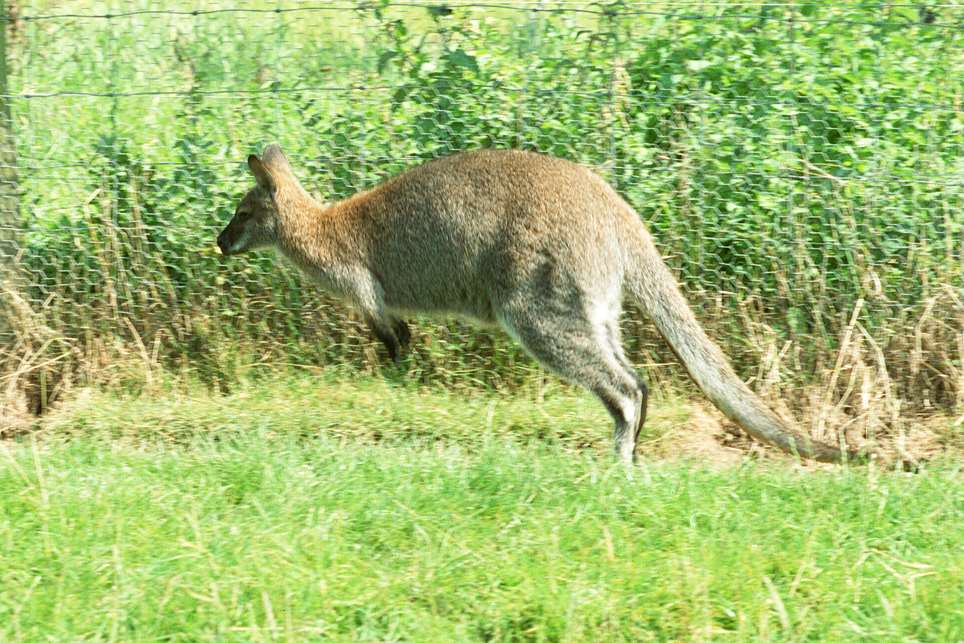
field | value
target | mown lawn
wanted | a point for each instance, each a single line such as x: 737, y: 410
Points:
x: 364, y: 511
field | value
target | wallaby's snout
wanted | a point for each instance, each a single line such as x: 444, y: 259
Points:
x: 223, y: 244
x: 234, y: 238
x: 249, y: 228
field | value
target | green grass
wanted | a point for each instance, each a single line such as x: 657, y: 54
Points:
x: 300, y: 508
x: 361, y: 410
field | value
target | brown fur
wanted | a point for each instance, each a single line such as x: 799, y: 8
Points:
x: 540, y: 246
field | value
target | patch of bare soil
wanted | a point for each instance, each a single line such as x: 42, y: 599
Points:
x: 709, y: 438
x: 701, y: 438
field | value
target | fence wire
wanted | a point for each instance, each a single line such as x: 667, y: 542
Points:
x: 792, y: 159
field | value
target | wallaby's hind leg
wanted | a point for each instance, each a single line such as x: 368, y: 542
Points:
x: 570, y: 347
x: 615, y: 341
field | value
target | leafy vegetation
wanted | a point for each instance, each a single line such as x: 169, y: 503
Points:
x: 800, y: 166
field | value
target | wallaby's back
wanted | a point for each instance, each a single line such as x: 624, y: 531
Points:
x: 454, y: 233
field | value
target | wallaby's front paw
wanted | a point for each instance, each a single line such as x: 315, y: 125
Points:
x: 402, y: 332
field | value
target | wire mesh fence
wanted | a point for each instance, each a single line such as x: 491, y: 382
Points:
x: 800, y: 165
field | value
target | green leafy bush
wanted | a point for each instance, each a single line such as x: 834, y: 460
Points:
x: 791, y: 159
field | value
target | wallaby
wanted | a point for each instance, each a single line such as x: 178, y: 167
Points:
x: 540, y: 246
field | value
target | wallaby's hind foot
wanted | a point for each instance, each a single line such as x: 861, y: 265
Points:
x: 643, y: 404
x: 615, y: 343
x: 570, y: 347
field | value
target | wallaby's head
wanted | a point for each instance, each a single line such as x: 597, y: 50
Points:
x: 257, y: 218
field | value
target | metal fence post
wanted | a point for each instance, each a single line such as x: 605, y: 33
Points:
x: 10, y: 222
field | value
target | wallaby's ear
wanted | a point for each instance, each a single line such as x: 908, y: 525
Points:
x: 260, y: 172
x: 275, y: 159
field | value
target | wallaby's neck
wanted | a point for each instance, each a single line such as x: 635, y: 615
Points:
x: 308, y: 230
x: 300, y: 224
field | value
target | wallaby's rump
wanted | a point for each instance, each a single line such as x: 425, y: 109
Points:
x: 541, y: 246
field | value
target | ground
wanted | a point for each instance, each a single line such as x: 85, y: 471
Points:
x: 365, y: 510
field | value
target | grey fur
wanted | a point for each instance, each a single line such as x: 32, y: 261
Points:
x: 541, y: 246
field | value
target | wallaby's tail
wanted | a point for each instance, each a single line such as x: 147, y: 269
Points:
x: 655, y: 289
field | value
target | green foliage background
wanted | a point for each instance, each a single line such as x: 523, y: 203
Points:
x: 791, y: 159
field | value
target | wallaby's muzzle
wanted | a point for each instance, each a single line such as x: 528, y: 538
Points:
x: 233, y: 239
x: 223, y: 244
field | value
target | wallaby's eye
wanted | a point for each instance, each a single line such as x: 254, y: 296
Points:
x: 243, y: 214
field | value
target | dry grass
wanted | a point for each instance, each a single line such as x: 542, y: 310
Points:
x: 899, y: 389
x: 36, y: 366
x: 888, y: 391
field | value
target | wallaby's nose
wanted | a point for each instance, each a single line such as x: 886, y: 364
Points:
x: 223, y: 243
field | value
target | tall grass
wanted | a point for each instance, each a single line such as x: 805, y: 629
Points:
x: 799, y: 166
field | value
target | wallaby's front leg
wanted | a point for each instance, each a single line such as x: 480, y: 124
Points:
x: 382, y: 330
x: 394, y: 334
x: 402, y: 332
x: 369, y: 298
